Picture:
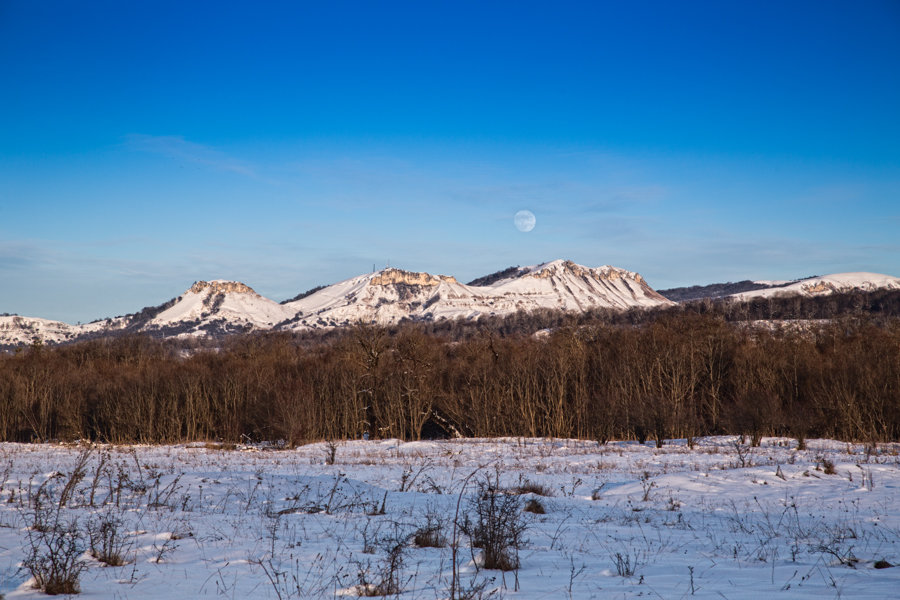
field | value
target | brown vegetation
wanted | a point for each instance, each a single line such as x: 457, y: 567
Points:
x: 679, y: 374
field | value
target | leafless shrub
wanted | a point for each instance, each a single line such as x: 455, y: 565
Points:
x: 382, y: 579
x: 626, y: 562
x: 835, y: 548
x: 370, y: 537
x: 108, y: 541
x: 330, y: 452
x: 647, y: 485
x: 431, y: 534
x: 301, y: 579
x: 163, y: 550
x: 99, y: 471
x: 75, y: 477
x: 744, y: 454
x: 530, y: 487
x: 378, y: 509
x: 160, y: 497
x: 495, y: 525
x: 410, y: 475
x: 53, y: 551
x: 429, y: 537
x: 475, y: 589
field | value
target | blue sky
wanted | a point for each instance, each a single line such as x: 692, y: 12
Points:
x: 144, y: 146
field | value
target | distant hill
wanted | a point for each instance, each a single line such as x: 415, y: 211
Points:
x: 712, y: 290
x: 389, y: 296
x: 215, y: 308
x: 815, y: 285
x: 496, y: 276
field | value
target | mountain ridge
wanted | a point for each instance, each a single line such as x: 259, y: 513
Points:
x: 391, y: 295
x: 811, y: 285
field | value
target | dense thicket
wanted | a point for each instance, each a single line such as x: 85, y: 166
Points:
x: 680, y: 374
x: 880, y: 305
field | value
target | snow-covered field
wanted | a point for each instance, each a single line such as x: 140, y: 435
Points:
x: 622, y: 520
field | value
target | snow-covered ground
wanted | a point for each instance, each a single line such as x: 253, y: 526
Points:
x: 623, y: 520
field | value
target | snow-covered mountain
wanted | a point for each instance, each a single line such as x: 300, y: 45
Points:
x: 827, y: 284
x: 390, y: 295
x: 219, y: 304
x: 208, y: 307
x: 808, y: 286
x: 565, y: 285
x: 15, y: 330
x: 386, y: 296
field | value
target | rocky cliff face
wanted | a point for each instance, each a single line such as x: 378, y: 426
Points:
x: 221, y: 287
x: 820, y: 287
x: 398, y: 276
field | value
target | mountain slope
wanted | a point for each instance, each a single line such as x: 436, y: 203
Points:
x: 208, y: 307
x: 826, y: 284
x: 15, y: 330
x: 566, y: 285
x: 816, y: 285
x: 386, y: 296
x: 390, y: 295
x: 217, y: 307
x: 715, y: 290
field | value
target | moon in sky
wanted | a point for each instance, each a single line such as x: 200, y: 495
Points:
x: 524, y: 220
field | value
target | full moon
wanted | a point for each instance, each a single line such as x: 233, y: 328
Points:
x: 524, y: 220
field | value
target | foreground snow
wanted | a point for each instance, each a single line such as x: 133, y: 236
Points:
x: 622, y: 520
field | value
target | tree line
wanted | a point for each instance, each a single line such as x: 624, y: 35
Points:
x: 680, y: 374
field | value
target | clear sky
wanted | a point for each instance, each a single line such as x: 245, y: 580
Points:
x: 146, y: 145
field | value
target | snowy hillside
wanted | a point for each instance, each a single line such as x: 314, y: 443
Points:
x: 210, y: 304
x: 16, y: 330
x: 24, y: 330
x: 827, y: 284
x: 565, y: 285
x: 384, y: 296
x: 207, y: 307
x: 390, y: 295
